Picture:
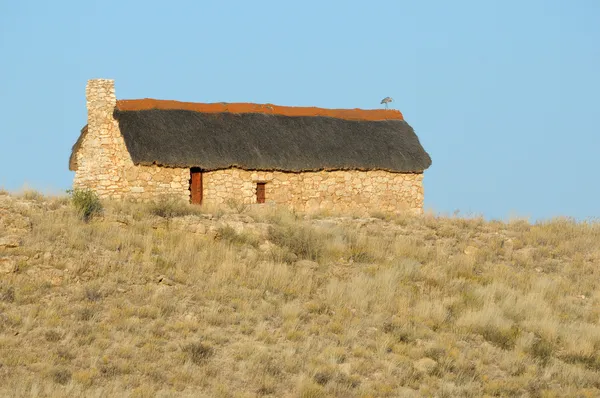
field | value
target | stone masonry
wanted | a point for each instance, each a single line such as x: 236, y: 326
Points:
x: 105, y: 166
x: 323, y: 190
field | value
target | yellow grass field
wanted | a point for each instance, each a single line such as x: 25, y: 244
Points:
x: 169, y: 300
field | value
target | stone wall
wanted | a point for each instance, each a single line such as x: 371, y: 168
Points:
x: 324, y: 190
x: 105, y: 166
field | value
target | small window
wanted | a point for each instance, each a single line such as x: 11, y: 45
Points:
x: 260, y: 192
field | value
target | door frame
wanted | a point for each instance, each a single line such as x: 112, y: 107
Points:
x: 196, y: 186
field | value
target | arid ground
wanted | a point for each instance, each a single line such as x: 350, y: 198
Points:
x: 172, y: 300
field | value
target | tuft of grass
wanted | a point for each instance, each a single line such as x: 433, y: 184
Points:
x: 503, y: 338
x: 323, y: 377
x: 229, y: 234
x: 492, y: 325
x: 61, y: 376
x: 7, y: 293
x: 169, y: 207
x: 53, y: 336
x: 86, y: 313
x: 310, y: 389
x: 305, y: 241
x: 64, y: 354
x: 86, y: 202
x: 381, y: 215
x: 198, y: 352
x: 542, y: 350
x: 590, y: 361
x: 32, y: 194
x: 237, y: 206
x: 93, y: 294
x: 358, y: 248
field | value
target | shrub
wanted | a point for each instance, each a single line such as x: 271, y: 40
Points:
x: 86, y: 202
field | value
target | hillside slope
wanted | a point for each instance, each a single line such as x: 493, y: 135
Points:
x: 169, y: 300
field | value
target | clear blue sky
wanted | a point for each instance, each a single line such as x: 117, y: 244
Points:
x: 504, y: 95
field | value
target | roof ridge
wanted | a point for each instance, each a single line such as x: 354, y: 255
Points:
x: 247, y: 107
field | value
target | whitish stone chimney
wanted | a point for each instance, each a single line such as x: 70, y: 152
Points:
x: 103, y: 156
x: 101, y: 102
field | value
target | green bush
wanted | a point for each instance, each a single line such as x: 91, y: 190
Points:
x: 86, y: 202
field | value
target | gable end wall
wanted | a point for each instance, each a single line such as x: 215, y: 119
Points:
x: 104, y: 164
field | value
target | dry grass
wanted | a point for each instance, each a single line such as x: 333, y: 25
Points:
x: 168, y: 300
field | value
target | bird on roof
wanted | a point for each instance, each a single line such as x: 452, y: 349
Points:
x: 386, y: 101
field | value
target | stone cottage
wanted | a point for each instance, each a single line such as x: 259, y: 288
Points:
x: 303, y: 157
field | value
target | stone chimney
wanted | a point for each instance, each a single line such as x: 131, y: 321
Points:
x: 103, y: 155
x: 101, y: 102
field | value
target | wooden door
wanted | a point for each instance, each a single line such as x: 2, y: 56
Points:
x: 260, y: 192
x: 196, y: 186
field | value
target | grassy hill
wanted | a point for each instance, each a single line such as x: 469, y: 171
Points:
x: 170, y: 300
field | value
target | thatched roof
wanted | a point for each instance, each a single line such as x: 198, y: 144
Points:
x: 262, y: 141
x: 73, y: 157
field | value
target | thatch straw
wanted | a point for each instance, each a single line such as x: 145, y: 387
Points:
x: 75, y: 149
x: 255, y: 141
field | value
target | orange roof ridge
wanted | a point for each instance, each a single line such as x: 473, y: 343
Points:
x: 245, y: 107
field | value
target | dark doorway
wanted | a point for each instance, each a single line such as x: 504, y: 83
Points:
x: 260, y: 192
x: 196, y: 186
